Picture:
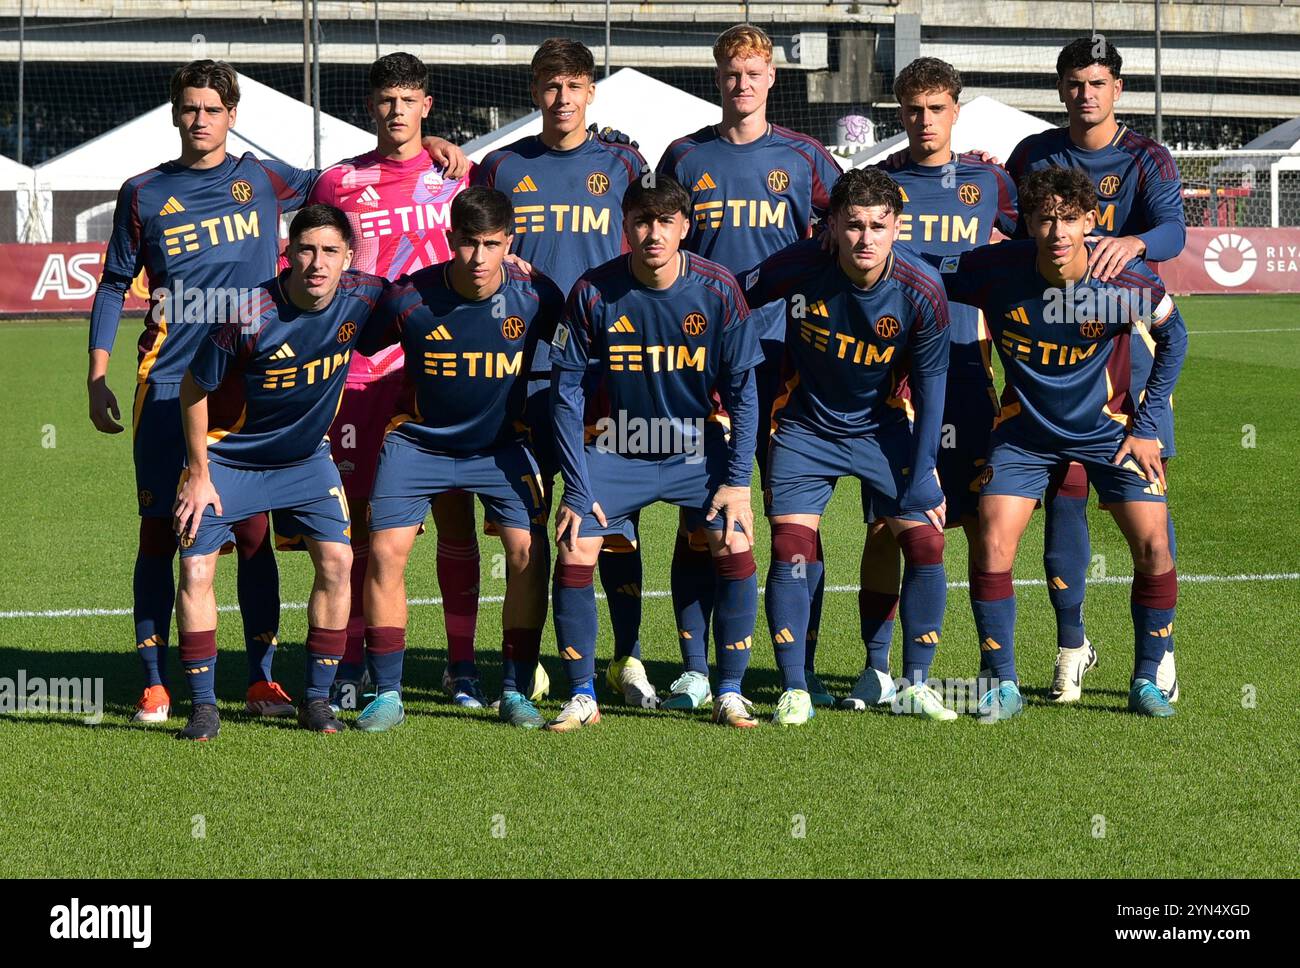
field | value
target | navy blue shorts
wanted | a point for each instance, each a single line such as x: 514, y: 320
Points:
x: 409, y: 478
x: 1019, y: 470
x: 968, y: 414
x: 803, y: 469
x: 158, y: 446
x: 624, y: 485
x: 307, y: 500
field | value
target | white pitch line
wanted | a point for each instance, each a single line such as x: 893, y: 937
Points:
x: 1234, y: 332
x: 833, y: 589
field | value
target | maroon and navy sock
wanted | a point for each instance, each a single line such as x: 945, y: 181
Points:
x: 816, y: 593
x: 386, y: 652
x: 1067, y: 553
x: 693, y: 586
x: 519, y: 651
x: 258, y: 585
x: 736, y: 612
x: 621, y: 574
x: 922, y: 599
x: 199, y: 660
x: 876, y: 611
x: 458, y: 579
x: 352, y: 665
x: 1152, y: 603
x: 573, y: 600
x: 993, y: 600
x: 786, y: 599
x: 324, y: 650
x: 154, y: 596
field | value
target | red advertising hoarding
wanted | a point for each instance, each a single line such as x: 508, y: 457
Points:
x: 1228, y: 260
x: 61, y: 279
x: 57, y: 279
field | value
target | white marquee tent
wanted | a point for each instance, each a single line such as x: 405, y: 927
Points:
x: 15, y: 199
x: 984, y: 124
x: 652, y: 113
x: 78, y: 188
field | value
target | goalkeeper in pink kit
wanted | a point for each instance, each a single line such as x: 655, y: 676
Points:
x: 399, y: 203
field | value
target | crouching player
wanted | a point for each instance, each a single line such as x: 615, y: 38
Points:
x: 469, y: 328
x: 256, y: 405
x: 859, y: 321
x: 1064, y: 342
x: 666, y: 334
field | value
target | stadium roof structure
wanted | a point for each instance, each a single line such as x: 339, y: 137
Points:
x: 269, y: 124
x: 985, y: 124
x: 651, y: 112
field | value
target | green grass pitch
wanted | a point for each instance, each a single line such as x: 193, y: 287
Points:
x: 1210, y: 792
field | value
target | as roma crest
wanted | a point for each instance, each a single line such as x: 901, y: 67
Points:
x: 347, y: 331
x: 887, y: 327
x: 512, y: 327
x: 695, y: 324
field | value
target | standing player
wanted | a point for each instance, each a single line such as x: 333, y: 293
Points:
x: 398, y: 200
x: 1139, y: 215
x: 1063, y: 336
x: 470, y: 327
x: 204, y: 224
x: 256, y: 404
x: 667, y: 332
x: 565, y: 184
x: 954, y: 202
x: 860, y: 320
x: 755, y: 188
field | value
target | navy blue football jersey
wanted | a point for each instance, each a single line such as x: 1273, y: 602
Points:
x: 656, y: 353
x: 193, y: 232
x: 568, y: 204
x: 467, y: 361
x: 850, y: 351
x: 1066, y: 352
x: 276, y: 376
x: 751, y: 200
x: 948, y: 209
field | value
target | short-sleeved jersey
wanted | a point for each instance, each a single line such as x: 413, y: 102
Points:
x: 469, y: 360
x: 949, y: 209
x: 195, y: 230
x: 1065, y: 352
x: 657, y: 354
x: 568, y: 204
x: 849, y: 350
x: 276, y: 378
x: 400, y: 213
x: 749, y: 201
x: 1137, y: 182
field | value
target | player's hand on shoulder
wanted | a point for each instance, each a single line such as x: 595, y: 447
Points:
x: 612, y: 135
x: 1145, y: 451
x: 733, y: 502
x: 1111, y: 254
x: 523, y: 266
x: 453, y: 161
x: 985, y: 157
x: 103, y: 403
x: 192, y: 500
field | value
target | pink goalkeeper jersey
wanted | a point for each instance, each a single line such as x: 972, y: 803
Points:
x: 400, y: 212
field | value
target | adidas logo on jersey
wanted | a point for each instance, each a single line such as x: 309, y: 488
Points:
x: 818, y: 309
x: 283, y: 353
x: 368, y: 198
x: 1018, y: 315
x: 622, y: 325
x: 172, y: 207
x: 704, y: 184
x: 526, y: 184
x: 441, y: 333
